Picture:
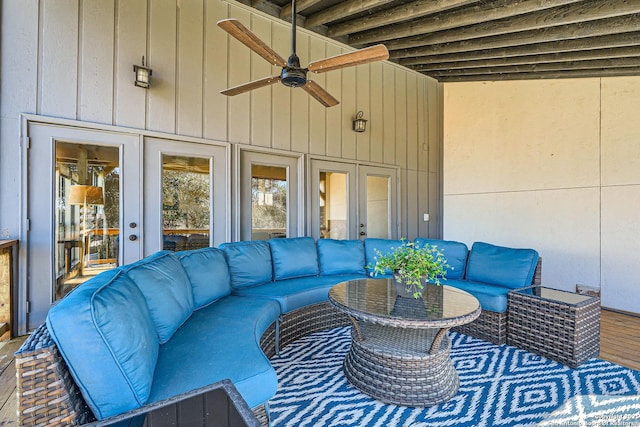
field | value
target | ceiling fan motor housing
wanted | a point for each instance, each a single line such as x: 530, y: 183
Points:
x: 293, y: 77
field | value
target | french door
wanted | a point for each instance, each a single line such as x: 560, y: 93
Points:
x: 186, y: 195
x: 82, y: 209
x: 351, y: 201
x: 269, y: 202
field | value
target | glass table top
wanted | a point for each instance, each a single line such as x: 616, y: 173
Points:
x: 558, y: 295
x: 378, y: 299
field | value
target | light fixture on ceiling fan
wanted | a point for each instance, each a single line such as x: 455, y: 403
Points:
x: 293, y: 75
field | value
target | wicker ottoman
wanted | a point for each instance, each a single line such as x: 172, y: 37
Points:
x: 560, y: 325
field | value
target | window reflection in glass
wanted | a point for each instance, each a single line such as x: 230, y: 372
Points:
x: 268, y: 202
x: 333, y: 205
x: 186, y: 202
x: 87, y: 213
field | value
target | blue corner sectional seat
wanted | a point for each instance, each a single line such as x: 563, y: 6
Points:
x: 174, y: 322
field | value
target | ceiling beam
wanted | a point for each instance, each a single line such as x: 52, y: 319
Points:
x: 285, y: 12
x: 597, y: 64
x: 584, y: 55
x: 342, y: 9
x: 588, y: 43
x: 394, y: 15
x: 483, y: 14
x: 622, y: 24
x: 610, y: 72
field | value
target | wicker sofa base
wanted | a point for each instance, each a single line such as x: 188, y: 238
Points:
x: 490, y: 326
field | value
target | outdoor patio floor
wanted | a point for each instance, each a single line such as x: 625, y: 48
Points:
x: 618, y: 344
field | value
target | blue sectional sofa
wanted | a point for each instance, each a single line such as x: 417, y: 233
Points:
x: 174, y: 322
x: 488, y: 272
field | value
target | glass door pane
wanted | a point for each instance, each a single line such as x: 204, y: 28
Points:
x: 268, y: 204
x: 186, y: 195
x: 377, y: 202
x: 333, y: 212
x: 186, y: 202
x: 87, y: 210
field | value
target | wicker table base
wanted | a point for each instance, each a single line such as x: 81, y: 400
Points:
x: 394, y: 366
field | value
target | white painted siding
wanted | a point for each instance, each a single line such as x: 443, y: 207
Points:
x: 74, y: 59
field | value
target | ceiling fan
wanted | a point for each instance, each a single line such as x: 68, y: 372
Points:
x: 293, y: 75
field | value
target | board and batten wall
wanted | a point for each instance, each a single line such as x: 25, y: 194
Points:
x: 73, y: 59
x: 552, y: 165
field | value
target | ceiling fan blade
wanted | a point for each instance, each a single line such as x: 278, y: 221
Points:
x: 321, y: 95
x: 246, y: 87
x: 246, y: 37
x: 363, y: 56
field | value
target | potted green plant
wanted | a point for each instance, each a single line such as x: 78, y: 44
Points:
x: 412, y: 266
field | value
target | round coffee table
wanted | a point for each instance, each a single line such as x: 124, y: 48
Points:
x: 399, y: 346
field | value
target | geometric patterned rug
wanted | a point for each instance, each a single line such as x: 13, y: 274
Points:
x: 499, y: 386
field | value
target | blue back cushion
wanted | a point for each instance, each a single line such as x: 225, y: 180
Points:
x: 341, y: 256
x: 208, y: 273
x: 383, y: 245
x: 166, y: 288
x: 294, y: 257
x: 249, y: 262
x: 454, y: 252
x: 499, y: 265
x: 104, y: 331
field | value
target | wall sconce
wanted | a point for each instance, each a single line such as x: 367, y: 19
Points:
x: 143, y: 75
x: 359, y: 124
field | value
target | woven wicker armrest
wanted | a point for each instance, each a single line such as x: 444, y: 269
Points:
x: 217, y: 404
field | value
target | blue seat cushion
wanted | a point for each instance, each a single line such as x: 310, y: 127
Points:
x: 249, y: 263
x: 294, y: 257
x: 208, y: 273
x: 219, y: 341
x: 491, y: 297
x: 292, y: 294
x: 341, y: 256
x: 499, y: 265
x: 104, y: 331
x: 166, y: 288
x: 383, y: 245
x: 454, y: 252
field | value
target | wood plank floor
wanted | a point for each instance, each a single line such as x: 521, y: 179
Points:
x: 619, y: 343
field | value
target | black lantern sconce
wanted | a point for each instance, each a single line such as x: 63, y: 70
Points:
x: 143, y: 75
x: 359, y: 124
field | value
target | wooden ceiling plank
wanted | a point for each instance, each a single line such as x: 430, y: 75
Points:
x: 342, y: 9
x: 554, y: 66
x: 608, y: 72
x: 394, y: 15
x: 584, y: 55
x: 621, y: 24
x: 483, y: 14
x: 616, y: 40
x: 285, y: 12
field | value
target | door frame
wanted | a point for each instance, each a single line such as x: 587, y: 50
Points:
x: 299, y: 227
x: 220, y: 184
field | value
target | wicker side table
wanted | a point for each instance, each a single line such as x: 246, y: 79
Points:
x: 560, y: 325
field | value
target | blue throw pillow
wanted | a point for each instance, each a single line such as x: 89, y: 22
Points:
x: 208, y: 273
x: 499, y: 265
x: 294, y: 257
x: 166, y: 288
x: 104, y: 331
x: 341, y: 256
x: 249, y: 263
x: 454, y: 252
x: 383, y: 245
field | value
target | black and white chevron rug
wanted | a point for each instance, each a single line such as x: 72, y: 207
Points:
x: 499, y: 386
